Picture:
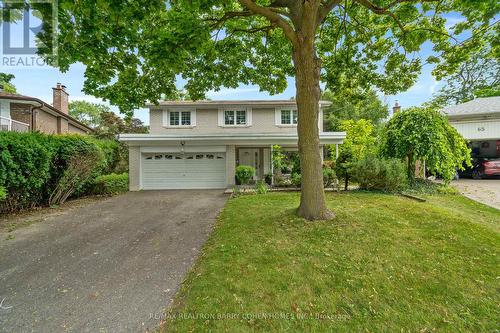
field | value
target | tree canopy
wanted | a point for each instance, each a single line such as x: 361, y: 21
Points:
x: 424, y: 134
x: 6, y: 84
x: 356, y: 105
x: 478, y: 76
x: 135, y: 51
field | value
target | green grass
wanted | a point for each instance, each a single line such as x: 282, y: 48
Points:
x: 385, y: 264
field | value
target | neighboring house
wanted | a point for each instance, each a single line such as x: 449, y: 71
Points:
x: 199, y: 144
x: 29, y: 114
x: 478, y: 121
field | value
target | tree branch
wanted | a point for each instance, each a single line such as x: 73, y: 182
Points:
x: 273, y: 17
x: 325, y: 9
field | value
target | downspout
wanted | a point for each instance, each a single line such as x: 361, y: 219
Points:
x: 33, y: 107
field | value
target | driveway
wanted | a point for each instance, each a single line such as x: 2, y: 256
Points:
x: 110, y: 266
x: 486, y: 191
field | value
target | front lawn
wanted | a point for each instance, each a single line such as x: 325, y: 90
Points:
x: 385, y: 264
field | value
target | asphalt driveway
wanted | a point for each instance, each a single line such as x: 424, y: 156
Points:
x: 486, y: 191
x: 110, y: 266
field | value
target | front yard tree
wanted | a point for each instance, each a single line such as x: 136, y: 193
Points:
x: 424, y: 134
x: 134, y: 51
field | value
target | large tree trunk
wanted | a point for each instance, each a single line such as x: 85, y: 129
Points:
x: 307, y: 76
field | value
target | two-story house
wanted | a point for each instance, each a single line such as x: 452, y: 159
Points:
x: 196, y: 145
x: 29, y: 114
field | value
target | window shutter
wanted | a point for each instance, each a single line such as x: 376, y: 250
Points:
x: 249, y: 116
x: 277, y: 116
x: 193, y: 118
x: 221, y: 117
x: 165, y: 118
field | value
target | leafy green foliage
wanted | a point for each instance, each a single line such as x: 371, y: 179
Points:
x: 87, y: 113
x: 244, y: 173
x: 6, y: 84
x: 424, y: 134
x: 110, y: 184
x: 34, y: 165
x: 478, y: 76
x: 329, y: 176
x: 296, y: 179
x: 358, y: 143
x: 261, y: 187
x: 353, y: 105
x: 3, y: 193
x: 373, y: 173
x: 133, y: 51
x: 110, y: 125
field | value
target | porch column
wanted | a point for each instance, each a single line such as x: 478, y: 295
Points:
x: 230, y: 165
x: 336, y: 151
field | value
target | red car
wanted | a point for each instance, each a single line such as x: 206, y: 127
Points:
x: 489, y: 168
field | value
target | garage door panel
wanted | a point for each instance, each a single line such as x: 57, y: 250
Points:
x: 183, y: 171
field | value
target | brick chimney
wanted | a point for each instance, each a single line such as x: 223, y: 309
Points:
x: 60, y: 98
x: 396, y: 108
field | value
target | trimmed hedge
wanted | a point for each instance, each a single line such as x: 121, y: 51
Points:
x: 38, y: 169
x: 3, y: 193
x: 244, y: 173
x: 111, y: 184
x: 373, y: 173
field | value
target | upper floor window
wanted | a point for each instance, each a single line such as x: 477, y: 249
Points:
x: 235, y: 117
x: 179, y: 118
x: 286, y: 117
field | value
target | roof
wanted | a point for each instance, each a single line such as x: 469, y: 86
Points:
x: 262, y: 138
x: 478, y: 106
x: 6, y: 95
x: 269, y: 102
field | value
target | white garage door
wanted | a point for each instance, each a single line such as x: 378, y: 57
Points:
x: 183, y: 171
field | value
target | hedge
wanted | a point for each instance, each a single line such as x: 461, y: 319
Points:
x: 373, y: 173
x: 38, y: 169
x: 111, y: 184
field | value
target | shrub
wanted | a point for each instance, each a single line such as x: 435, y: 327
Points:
x: 373, y: 173
x: 244, y: 173
x: 261, y: 187
x: 3, y: 193
x: 268, y: 178
x: 37, y: 169
x: 25, y: 168
x: 296, y: 179
x: 111, y: 184
x: 329, y: 176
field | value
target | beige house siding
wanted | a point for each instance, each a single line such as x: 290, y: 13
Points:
x: 134, y: 168
x: 263, y: 121
x: 46, y: 122
x: 62, y: 125
x: 75, y: 130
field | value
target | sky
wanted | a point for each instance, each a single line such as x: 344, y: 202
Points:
x: 37, y: 81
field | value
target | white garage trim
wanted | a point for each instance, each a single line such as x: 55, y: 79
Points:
x: 187, y: 149
x: 183, y: 170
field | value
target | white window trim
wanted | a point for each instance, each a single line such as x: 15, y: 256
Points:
x: 166, y: 118
x: 277, y: 116
x: 221, y: 118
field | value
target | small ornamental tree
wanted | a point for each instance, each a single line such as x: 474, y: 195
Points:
x: 424, y: 134
x: 359, y: 142
x: 134, y: 51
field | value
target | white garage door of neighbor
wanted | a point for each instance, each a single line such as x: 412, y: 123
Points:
x: 161, y: 171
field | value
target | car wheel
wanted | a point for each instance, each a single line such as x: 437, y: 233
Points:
x: 476, y: 174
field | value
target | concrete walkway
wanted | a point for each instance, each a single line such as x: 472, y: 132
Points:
x: 109, y: 266
x: 486, y: 191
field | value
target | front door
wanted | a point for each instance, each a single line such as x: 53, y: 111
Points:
x: 250, y: 157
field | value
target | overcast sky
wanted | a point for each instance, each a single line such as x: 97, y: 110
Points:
x: 37, y: 81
